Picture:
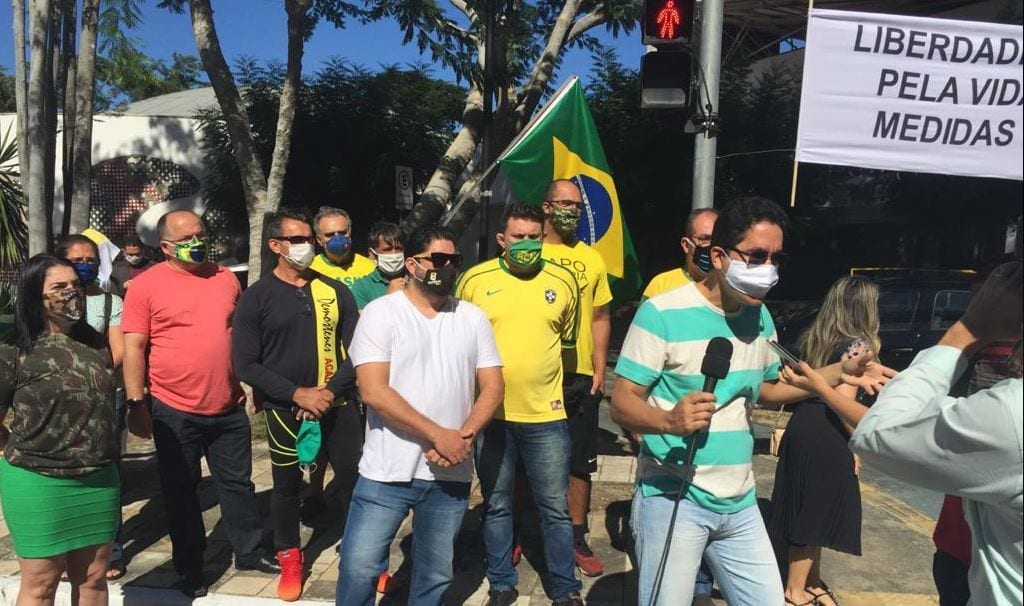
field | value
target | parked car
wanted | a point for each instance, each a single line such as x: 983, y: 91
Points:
x: 915, y: 308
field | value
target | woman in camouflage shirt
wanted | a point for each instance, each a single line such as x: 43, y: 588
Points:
x: 58, y: 482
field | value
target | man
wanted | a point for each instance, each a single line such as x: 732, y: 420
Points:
x: 339, y: 260
x: 290, y: 341
x: 533, y: 307
x: 968, y: 447
x: 696, y: 245
x: 180, y: 311
x: 387, y: 252
x: 420, y: 356
x: 658, y: 394
x: 128, y: 265
x: 583, y: 365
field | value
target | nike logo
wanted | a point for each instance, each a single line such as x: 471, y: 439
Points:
x: 494, y: 292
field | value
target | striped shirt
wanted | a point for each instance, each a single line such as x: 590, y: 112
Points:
x: 663, y: 351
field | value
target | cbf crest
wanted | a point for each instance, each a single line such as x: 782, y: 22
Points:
x: 549, y: 296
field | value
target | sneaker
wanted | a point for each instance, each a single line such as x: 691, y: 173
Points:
x: 573, y: 599
x: 517, y: 554
x: 289, y: 584
x: 586, y: 561
x: 258, y: 562
x: 502, y: 597
x: 192, y: 585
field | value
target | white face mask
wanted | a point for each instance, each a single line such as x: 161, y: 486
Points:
x: 391, y: 264
x: 300, y: 255
x: 752, y: 280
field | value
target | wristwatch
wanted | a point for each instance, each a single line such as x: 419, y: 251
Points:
x: 130, y: 404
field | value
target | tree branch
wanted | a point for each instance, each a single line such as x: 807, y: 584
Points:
x: 598, y: 16
x: 531, y: 92
x: 462, y: 7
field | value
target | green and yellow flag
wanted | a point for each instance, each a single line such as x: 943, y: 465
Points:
x: 561, y: 142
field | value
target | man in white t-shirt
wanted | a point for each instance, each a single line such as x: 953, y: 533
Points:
x: 421, y: 421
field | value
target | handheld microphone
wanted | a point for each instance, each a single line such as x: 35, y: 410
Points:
x: 715, y: 366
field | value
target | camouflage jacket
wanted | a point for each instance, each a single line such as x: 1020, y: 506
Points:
x: 62, y: 397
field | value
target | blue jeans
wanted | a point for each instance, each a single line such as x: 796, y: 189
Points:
x: 705, y: 580
x: 544, y: 451
x: 376, y: 512
x: 735, y: 545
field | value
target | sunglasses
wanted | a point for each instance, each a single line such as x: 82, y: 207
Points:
x: 293, y: 239
x: 440, y: 259
x: 759, y: 256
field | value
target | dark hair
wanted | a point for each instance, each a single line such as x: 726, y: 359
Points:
x: 28, y: 308
x: 690, y: 218
x: 383, y: 230
x: 274, y: 220
x: 737, y: 217
x: 65, y: 244
x: 520, y: 210
x: 421, y: 239
x: 132, y: 241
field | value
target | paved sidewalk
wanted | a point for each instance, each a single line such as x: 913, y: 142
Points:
x: 895, y: 568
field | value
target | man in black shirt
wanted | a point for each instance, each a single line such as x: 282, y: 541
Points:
x: 290, y: 340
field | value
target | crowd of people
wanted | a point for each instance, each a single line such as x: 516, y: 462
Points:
x: 407, y: 374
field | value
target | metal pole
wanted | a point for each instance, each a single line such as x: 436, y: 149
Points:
x: 705, y: 144
x: 488, y: 139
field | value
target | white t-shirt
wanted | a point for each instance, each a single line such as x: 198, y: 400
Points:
x: 433, y: 366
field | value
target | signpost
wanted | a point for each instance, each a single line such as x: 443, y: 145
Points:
x: 403, y: 187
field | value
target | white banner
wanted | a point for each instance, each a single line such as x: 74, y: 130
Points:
x: 912, y: 93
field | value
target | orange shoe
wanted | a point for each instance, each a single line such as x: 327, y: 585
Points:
x: 384, y: 582
x: 517, y: 554
x: 289, y: 586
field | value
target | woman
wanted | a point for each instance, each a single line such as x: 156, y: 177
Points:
x: 58, y: 479
x: 816, y: 499
x: 102, y: 309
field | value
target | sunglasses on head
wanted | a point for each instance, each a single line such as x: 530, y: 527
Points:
x: 293, y: 239
x: 440, y: 259
x: 759, y: 256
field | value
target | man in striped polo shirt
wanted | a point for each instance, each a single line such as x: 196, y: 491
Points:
x: 658, y: 394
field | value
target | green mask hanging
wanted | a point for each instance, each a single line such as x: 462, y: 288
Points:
x: 525, y: 254
x: 307, y: 442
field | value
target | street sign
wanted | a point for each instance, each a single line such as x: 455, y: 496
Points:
x: 403, y: 187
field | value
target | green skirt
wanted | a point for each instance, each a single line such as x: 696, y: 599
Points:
x: 50, y: 516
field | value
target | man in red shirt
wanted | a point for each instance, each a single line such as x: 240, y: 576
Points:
x: 181, y: 310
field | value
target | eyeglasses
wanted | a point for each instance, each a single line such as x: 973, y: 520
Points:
x: 699, y: 241
x: 760, y: 256
x: 293, y: 239
x: 200, y: 236
x: 440, y: 259
x: 565, y: 203
x: 331, y: 234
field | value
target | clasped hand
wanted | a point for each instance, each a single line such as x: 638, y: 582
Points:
x: 313, y: 401
x: 450, y: 447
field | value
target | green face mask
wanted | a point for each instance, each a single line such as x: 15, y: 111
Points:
x: 307, y: 442
x: 193, y: 251
x: 566, y: 220
x: 524, y: 254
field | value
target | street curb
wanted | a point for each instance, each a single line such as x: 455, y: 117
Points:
x: 146, y: 596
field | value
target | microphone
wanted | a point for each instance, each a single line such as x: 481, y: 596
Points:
x: 715, y: 365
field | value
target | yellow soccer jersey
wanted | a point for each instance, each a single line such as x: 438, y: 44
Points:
x: 588, y: 267
x: 666, y: 281
x: 359, y: 267
x: 532, y: 318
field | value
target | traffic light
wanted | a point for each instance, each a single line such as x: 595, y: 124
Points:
x: 667, y: 22
x: 665, y: 80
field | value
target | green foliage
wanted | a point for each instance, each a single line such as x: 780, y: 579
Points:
x: 13, y: 229
x: 7, y: 97
x: 351, y: 128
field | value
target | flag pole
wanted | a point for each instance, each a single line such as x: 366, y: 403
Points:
x: 796, y: 164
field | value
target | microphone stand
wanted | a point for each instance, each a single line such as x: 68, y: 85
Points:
x: 690, y: 453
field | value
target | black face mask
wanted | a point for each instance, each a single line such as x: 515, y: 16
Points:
x: 439, y: 281
x: 702, y: 258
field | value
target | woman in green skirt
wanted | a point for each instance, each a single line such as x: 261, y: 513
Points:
x: 58, y: 482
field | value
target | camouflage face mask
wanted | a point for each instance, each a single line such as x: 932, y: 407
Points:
x: 566, y: 220
x: 66, y: 305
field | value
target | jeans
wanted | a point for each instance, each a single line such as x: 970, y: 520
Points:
x: 950, y: 575
x: 734, y: 545
x: 544, y: 451
x: 376, y: 512
x: 182, y: 439
x: 705, y: 580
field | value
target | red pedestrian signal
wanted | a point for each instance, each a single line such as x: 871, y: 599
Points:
x: 667, y: 22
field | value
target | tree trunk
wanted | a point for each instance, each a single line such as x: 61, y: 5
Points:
x: 68, y: 66
x: 439, y: 189
x: 50, y: 109
x: 298, y: 22
x: 39, y: 26
x: 20, y: 92
x: 85, y: 86
x: 254, y: 183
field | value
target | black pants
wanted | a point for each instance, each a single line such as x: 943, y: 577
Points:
x: 341, y: 432
x: 182, y: 439
x: 950, y: 575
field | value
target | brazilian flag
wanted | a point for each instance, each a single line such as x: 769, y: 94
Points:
x: 561, y: 142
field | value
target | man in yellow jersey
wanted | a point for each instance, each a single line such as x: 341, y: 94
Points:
x: 339, y: 260
x: 533, y: 309
x: 696, y: 244
x: 583, y: 365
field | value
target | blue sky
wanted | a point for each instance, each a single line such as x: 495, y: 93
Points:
x: 257, y: 28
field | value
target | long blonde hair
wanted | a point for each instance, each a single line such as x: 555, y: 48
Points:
x: 850, y: 311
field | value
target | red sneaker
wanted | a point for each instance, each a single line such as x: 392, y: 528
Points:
x: 517, y: 554
x: 289, y: 586
x: 384, y: 582
x: 586, y: 561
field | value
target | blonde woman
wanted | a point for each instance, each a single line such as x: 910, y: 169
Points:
x: 816, y: 500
